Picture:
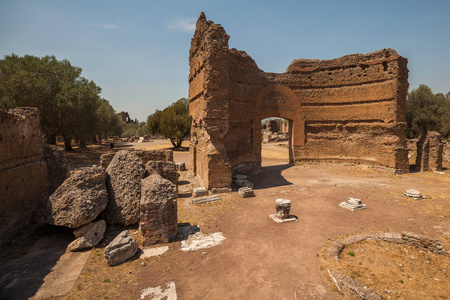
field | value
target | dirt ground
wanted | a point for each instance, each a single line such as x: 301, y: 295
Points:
x: 261, y: 259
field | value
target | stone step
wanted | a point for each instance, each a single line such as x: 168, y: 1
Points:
x: 206, y: 199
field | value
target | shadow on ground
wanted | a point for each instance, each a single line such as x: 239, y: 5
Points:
x: 262, y: 181
x: 20, y: 278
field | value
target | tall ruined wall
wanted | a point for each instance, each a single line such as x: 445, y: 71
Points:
x: 208, y: 103
x: 23, y: 173
x: 354, y: 108
x: 346, y: 110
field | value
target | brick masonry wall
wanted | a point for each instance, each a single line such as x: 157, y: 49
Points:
x: 345, y: 110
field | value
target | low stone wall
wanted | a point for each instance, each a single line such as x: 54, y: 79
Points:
x: 419, y: 240
x: 336, y: 247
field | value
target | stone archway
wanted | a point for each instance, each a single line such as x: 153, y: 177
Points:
x: 276, y: 100
x: 349, y: 110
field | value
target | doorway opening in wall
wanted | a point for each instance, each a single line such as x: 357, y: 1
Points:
x: 276, y: 137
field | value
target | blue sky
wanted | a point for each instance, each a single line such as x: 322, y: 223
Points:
x: 137, y: 51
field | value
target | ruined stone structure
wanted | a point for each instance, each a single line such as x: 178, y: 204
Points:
x: 429, y: 152
x: 28, y: 171
x: 345, y: 110
x: 125, y: 117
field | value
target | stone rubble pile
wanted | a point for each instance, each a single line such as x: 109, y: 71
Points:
x: 132, y: 189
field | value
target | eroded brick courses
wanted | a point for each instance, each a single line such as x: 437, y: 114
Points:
x: 348, y: 110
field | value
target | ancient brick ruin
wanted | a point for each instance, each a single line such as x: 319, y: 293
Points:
x: 29, y: 170
x: 345, y: 110
x: 429, y: 152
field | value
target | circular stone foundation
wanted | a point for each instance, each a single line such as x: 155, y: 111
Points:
x: 387, y: 265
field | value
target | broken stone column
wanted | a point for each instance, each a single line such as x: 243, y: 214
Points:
x: 353, y: 204
x: 283, y: 206
x: 429, y: 152
x: 158, y: 210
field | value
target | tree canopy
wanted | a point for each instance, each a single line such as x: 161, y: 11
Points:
x: 173, y: 122
x: 70, y: 104
x: 426, y: 111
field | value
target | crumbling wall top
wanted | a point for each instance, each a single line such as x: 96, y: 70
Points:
x: 352, y: 60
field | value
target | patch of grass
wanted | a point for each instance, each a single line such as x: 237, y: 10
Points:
x: 382, y: 271
x: 106, y: 280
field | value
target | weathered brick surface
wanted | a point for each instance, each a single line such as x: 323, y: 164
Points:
x: 345, y: 110
x: 429, y: 152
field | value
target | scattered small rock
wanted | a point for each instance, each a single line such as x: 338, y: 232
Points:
x: 200, y: 191
x: 120, y: 249
x: 245, y: 192
x: 91, y: 235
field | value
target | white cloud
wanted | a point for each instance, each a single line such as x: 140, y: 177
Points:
x: 107, y: 26
x: 183, y: 24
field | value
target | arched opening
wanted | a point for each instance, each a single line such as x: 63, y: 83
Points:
x: 276, y: 139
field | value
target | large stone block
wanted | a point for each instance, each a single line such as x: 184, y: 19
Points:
x: 79, y: 200
x: 123, y: 182
x: 167, y: 169
x: 158, y: 210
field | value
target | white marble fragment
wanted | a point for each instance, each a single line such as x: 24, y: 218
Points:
x: 415, y: 194
x: 156, y: 293
x: 149, y: 252
x: 353, y: 204
x: 202, y: 241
